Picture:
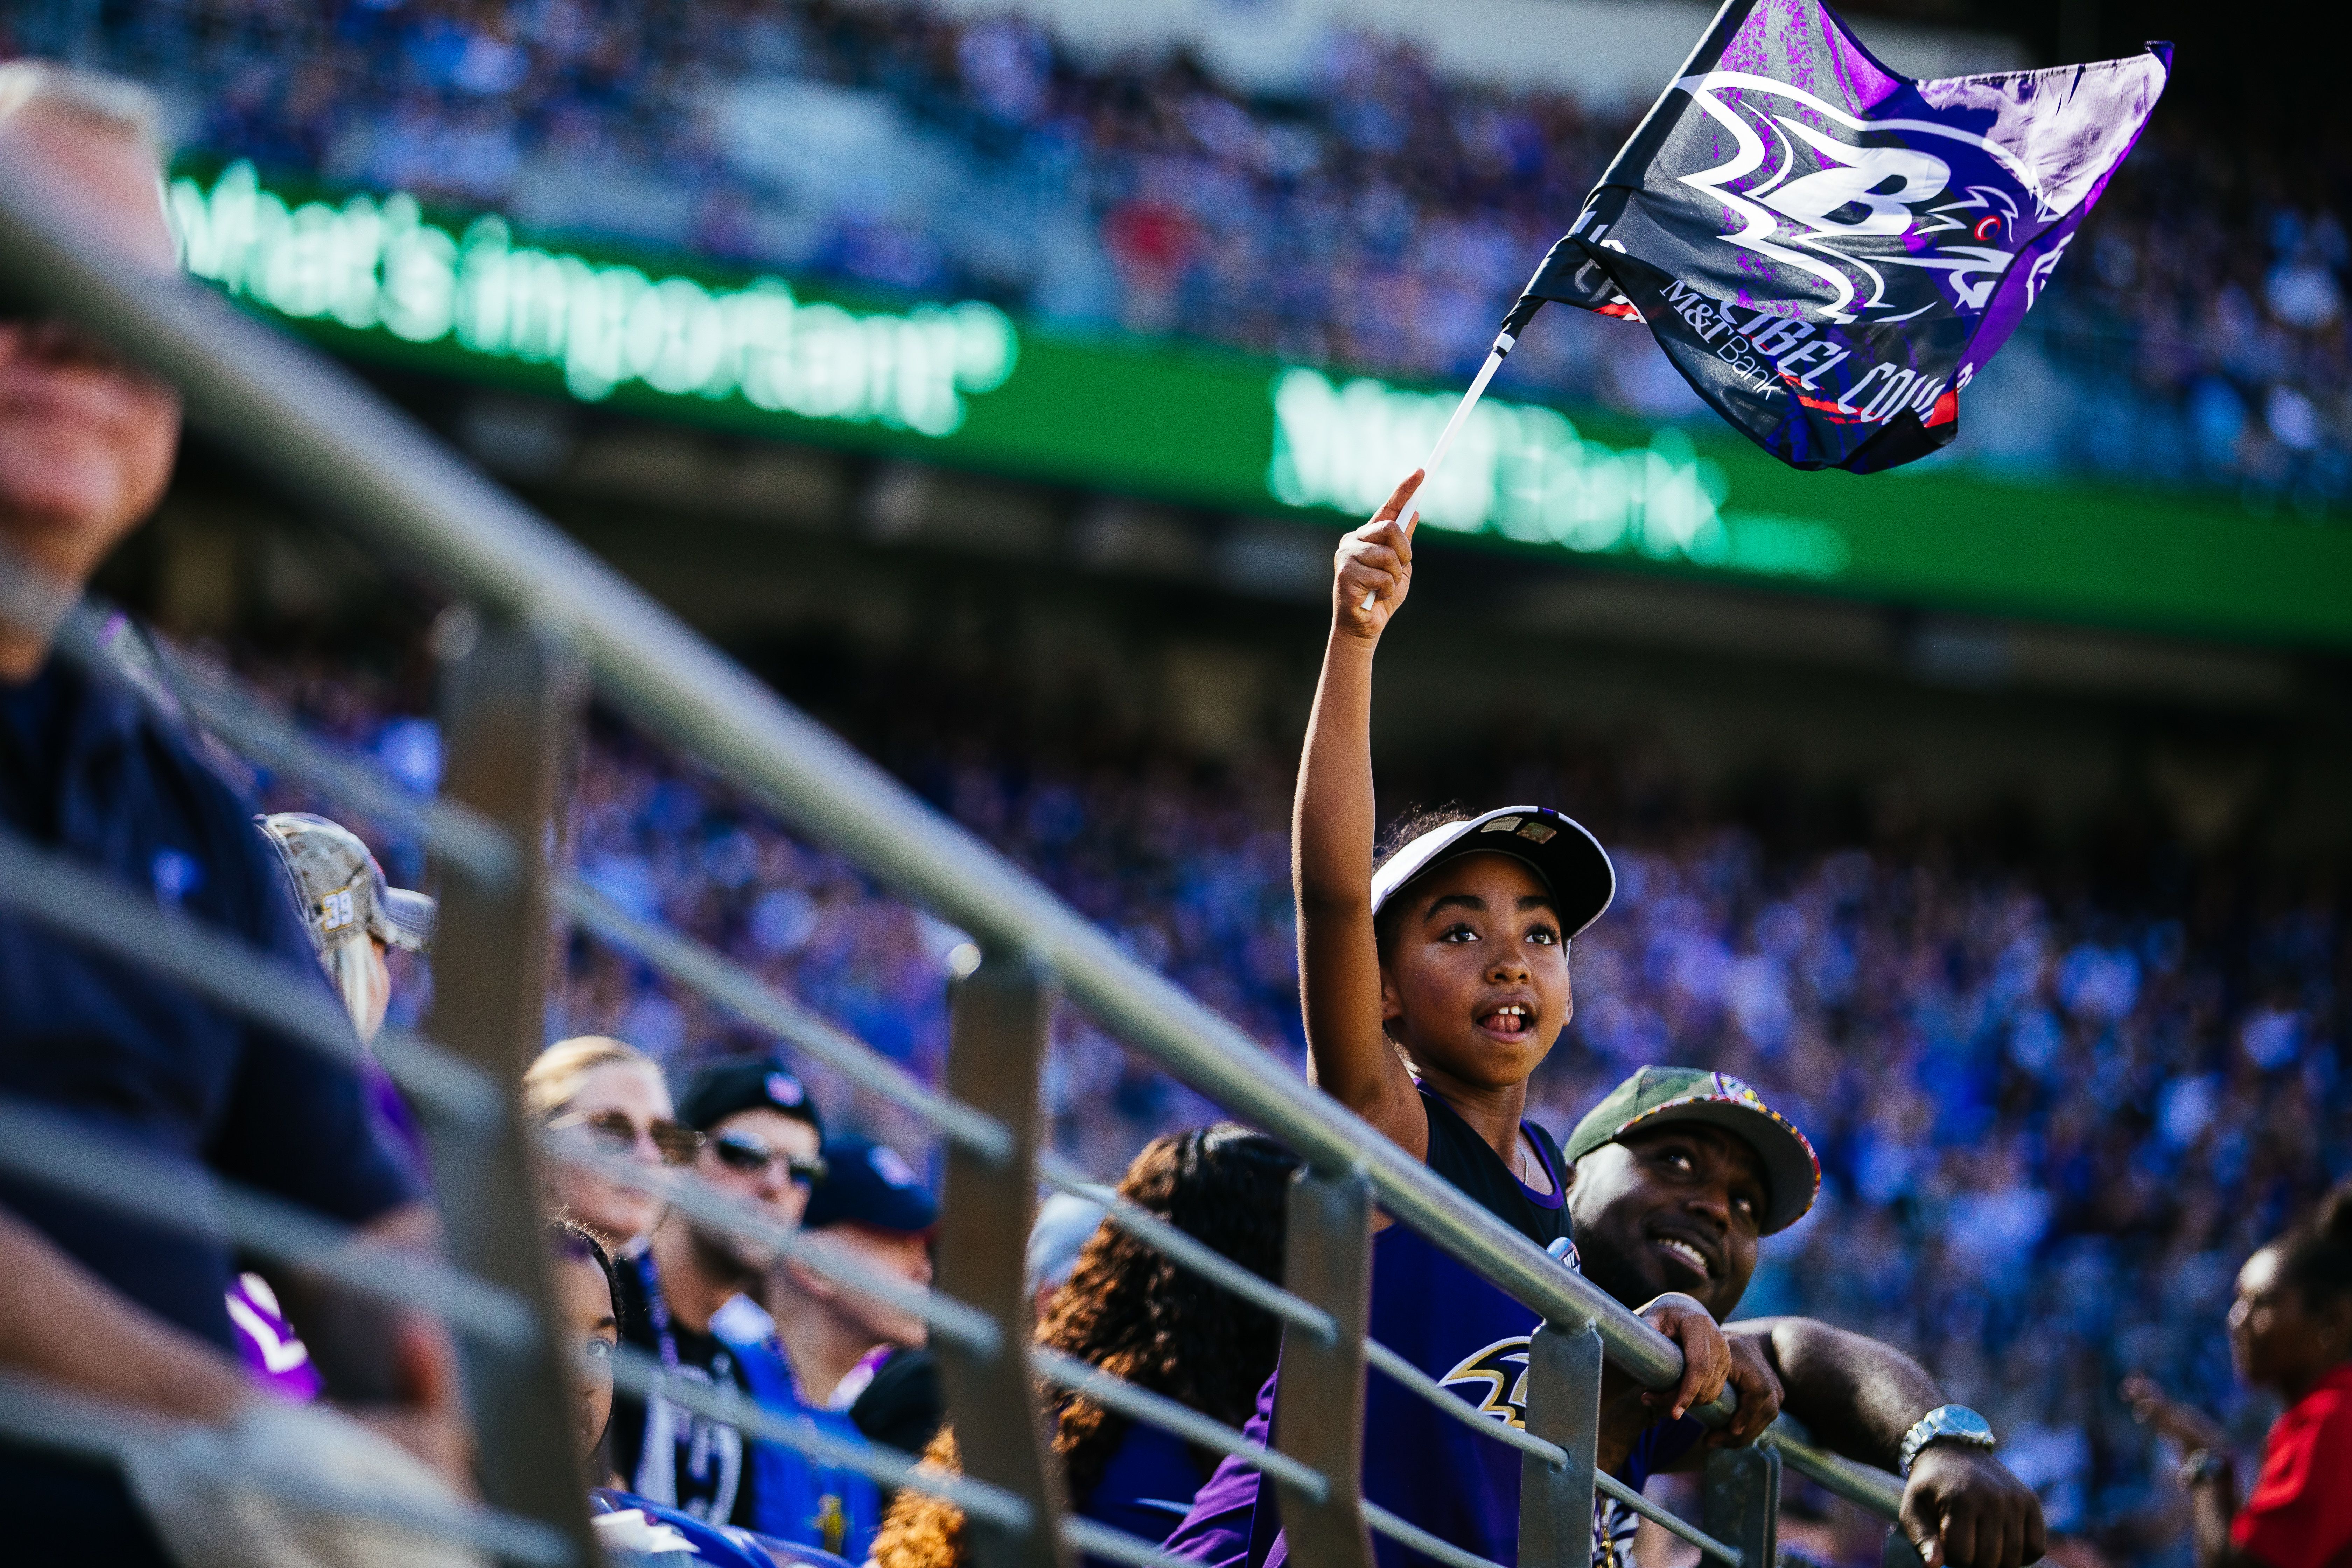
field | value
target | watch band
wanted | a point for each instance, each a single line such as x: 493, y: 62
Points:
x: 1946, y: 1424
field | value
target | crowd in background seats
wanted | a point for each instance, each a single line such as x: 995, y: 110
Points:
x: 1382, y: 218
x: 2058, y: 1097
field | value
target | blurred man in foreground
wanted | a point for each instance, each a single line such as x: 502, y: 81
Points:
x: 90, y: 1299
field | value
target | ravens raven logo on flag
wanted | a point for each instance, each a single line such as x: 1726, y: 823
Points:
x: 1829, y: 252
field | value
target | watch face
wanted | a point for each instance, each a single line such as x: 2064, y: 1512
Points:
x: 1947, y: 1424
x: 1962, y: 1422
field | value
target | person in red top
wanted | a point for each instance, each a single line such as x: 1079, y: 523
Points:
x: 2290, y: 1331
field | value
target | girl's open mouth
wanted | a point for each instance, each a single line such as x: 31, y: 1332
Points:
x: 1511, y: 1021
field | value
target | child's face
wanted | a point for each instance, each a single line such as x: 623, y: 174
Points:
x: 1475, y: 984
x: 583, y: 1297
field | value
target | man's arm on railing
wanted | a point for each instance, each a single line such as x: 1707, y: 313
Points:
x: 61, y: 1321
x: 1332, y: 827
x: 1860, y: 1398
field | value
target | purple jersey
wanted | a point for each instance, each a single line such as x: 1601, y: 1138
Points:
x: 1420, y: 1463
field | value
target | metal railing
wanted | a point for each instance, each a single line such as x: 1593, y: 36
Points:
x: 544, y: 621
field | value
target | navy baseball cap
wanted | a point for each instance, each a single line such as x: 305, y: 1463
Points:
x: 870, y: 1183
x: 763, y: 1083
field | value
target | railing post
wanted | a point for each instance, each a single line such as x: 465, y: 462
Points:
x: 1563, y: 1374
x: 510, y: 705
x: 1320, y: 1398
x: 1740, y: 1502
x: 1003, y: 1011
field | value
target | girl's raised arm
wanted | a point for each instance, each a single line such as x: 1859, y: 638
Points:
x: 1331, y: 830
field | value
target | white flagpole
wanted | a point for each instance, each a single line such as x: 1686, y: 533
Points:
x: 1504, y: 344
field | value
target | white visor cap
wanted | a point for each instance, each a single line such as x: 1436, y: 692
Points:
x: 1562, y: 851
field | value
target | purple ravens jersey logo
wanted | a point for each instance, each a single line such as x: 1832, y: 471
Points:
x: 1498, y: 1373
x: 1498, y: 1376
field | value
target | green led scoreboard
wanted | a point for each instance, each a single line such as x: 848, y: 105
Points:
x: 378, y: 277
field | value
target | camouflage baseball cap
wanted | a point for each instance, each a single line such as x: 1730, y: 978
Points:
x: 341, y: 889
x: 1659, y: 1097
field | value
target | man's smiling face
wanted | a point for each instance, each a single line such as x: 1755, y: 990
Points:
x: 1678, y: 1208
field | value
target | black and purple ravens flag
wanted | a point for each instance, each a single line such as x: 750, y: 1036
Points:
x: 1829, y: 251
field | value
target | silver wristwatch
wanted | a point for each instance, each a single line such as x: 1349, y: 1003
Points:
x: 1946, y: 1424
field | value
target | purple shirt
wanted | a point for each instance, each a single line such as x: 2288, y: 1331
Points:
x: 1216, y: 1532
x: 1420, y: 1463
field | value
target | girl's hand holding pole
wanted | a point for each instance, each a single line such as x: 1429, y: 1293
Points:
x: 1375, y: 568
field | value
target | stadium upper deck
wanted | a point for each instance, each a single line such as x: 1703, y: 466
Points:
x: 1376, y: 218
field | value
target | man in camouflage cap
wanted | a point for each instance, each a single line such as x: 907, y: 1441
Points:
x: 1679, y: 1173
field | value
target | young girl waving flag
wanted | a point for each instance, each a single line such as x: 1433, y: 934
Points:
x: 1433, y: 987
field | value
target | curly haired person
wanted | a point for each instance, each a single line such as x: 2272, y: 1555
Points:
x: 1130, y: 1310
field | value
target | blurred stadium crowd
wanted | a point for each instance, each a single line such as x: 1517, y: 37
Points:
x: 1381, y: 220
x: 2057, y: 1096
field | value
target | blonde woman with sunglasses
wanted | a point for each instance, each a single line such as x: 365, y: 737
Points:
x: 616, y: 1094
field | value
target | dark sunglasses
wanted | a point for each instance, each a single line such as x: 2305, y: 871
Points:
x: 751, y: 1154
x: 613, y: 1133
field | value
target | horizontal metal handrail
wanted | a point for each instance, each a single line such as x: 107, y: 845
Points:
x: 238, y: 715
x: 1083, y: 1534
x: 1403, y: 1371
x: 370, y: 465
x: 1421, y: 1540
x: 1154, y: 1232
x: 41, y: 1146
x: 744, y: 994
x: 707, y: 1205
x: 1116, y: 1392
x: 643, y: 1376
x: 1666, y: 1519
x: 1061, y: 1175
x: 1865, y: 1486
x: 39, y: 1412
x: 92, y: 908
